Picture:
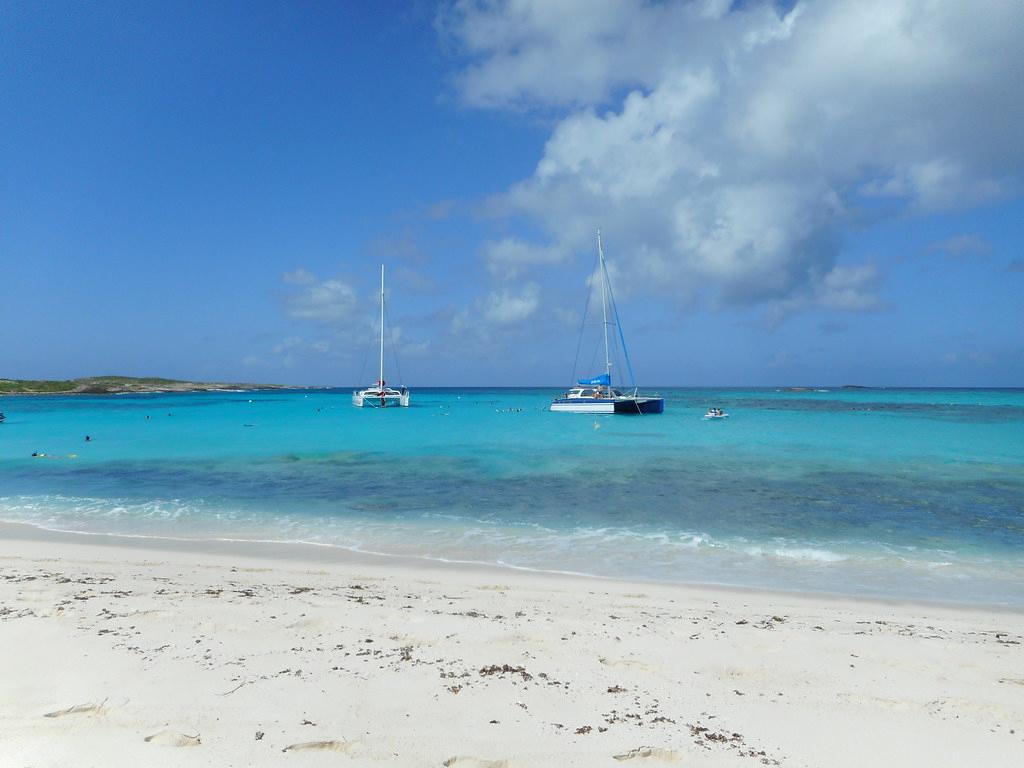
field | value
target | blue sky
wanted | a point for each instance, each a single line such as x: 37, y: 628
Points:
x: 807, y: 193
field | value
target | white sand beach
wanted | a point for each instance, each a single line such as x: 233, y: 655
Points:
x: 119, y: 652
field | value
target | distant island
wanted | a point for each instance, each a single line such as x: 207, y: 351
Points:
x: 113, y: 385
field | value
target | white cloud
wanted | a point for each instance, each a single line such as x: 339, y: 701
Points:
x: 505, y: 308
x: 495, y: 319
x: 849, y: 288
x: 329, y: 302
x: 842, y: 289
x: 285, y: 346
x: 347, y: 325
x: 748, y: 138
x: 287, y: 352
x: 298, y: 277
x: 506, y: 257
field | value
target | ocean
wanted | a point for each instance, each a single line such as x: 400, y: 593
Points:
x: 898, y: 493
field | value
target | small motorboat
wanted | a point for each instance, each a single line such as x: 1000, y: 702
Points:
x: 715, y: 414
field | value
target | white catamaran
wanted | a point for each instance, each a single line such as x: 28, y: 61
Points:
x: 380, y: 395
x: 596, y: 395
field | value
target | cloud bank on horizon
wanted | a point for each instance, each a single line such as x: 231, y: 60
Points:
x: 733, y: 145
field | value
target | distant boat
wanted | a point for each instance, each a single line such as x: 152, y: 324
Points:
x: 2, y: 417
x: 596, y: 394
x: 715, y: 414
x: 380, y: 395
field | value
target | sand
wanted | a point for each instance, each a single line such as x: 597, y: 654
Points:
x: 122, y: 652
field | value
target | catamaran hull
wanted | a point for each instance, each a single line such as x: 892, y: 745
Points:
x: 642, y: 405
x: 625, y: 405
x: 369, y: 401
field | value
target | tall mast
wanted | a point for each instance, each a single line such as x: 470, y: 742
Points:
x: 604, y: 307
x: 381, y: 379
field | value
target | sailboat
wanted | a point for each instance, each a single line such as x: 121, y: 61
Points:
x: 380, y: 395
x: 596, y: 394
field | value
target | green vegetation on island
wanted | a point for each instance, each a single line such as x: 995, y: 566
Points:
x: 112, y: 385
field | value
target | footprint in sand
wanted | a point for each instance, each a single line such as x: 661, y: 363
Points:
x: 78, y: 709
x: 474, y: 762
x: 329, y: 746
x: 173, y: 739
x: 628, y: 663
x: 649, y: 753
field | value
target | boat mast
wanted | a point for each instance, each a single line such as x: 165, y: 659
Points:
x: 604, y: 308
x: 381, y: 379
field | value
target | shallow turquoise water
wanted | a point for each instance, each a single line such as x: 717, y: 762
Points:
x: 905, y: 493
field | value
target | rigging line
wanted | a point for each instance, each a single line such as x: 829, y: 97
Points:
x: 362, y: 368
x: 394, y: 348
x: 593, y: 355
x: 622, y: 338
x: 583, y: 322
x: 617, y: 359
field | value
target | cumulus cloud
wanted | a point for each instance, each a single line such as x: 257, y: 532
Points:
x: 347, y: 325
x: 328, y: 302
x: 505, y: 307
x: 508, y: 256
x: 495, y: 318
x: 298, y: 277
x: 726, y: 148
x: 287, y: 345
x: 844, y: 288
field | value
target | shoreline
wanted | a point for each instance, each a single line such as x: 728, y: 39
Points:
x: 190, y: 391
x: 125, y: 655
x: 301, y: 553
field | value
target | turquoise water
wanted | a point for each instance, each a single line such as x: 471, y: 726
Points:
x: 901, y: 493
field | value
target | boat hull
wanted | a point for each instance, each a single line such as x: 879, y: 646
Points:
x: 363, y: 400
x: 626, y: 405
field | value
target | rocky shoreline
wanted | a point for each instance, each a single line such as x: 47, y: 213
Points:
x: 119, y: 385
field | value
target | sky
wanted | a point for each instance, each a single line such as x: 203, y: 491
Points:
x: 789, y: 193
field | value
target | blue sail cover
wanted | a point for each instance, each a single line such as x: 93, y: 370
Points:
x: 603, y: 380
